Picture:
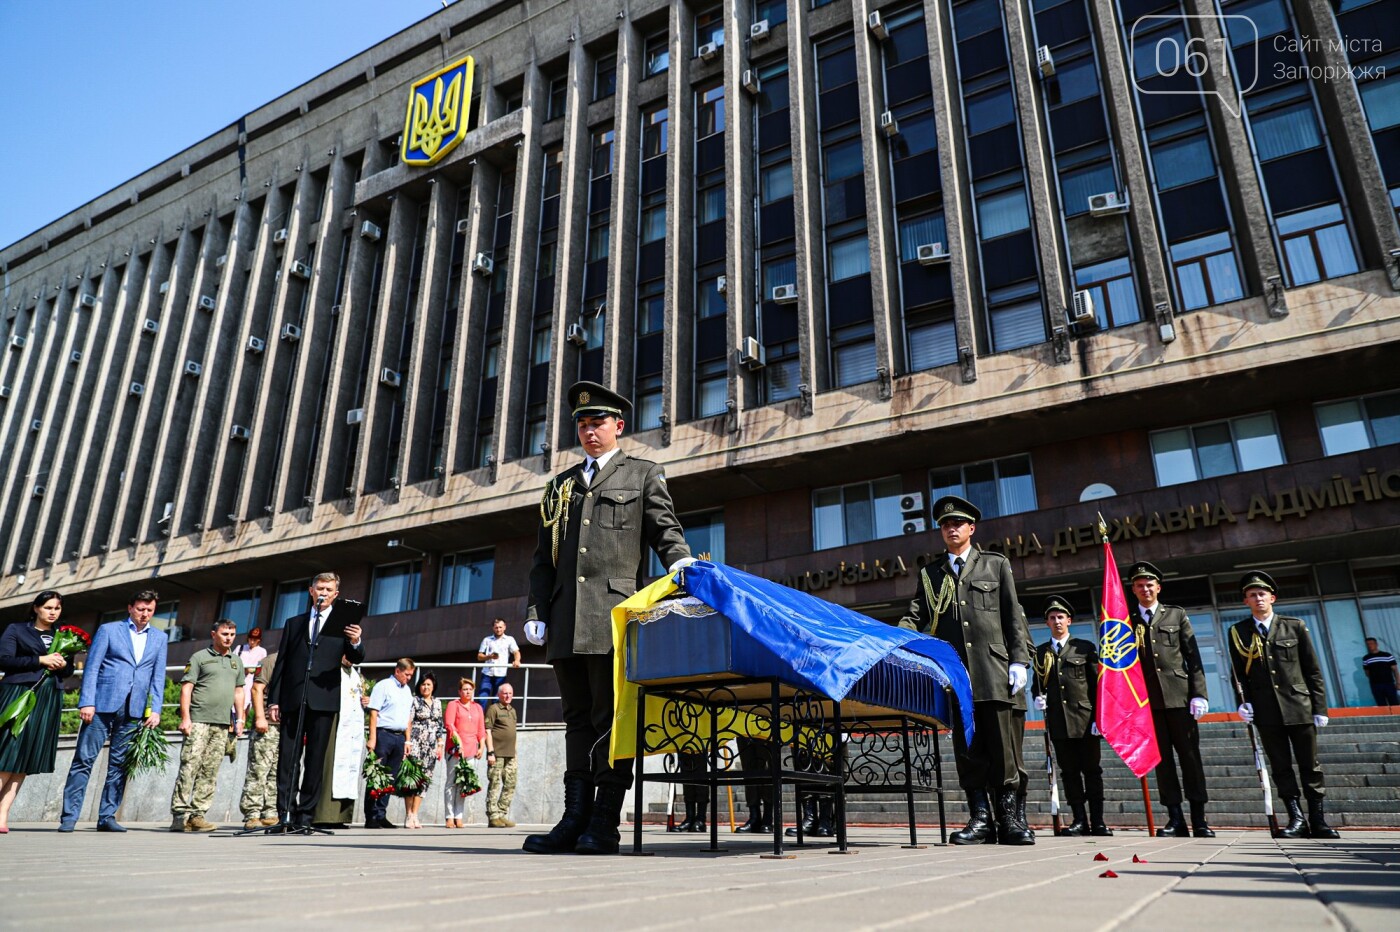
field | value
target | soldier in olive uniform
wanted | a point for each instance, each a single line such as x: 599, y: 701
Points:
x: 1067, y: 688
x: 1167, y: 646
x: 598, y: 520
x: 1284, y: 696
x: 968, y: 598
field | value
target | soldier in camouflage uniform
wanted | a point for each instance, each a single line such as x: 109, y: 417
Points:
x: 259, y: 802
x: 500, y: 758
x: 210, y: 690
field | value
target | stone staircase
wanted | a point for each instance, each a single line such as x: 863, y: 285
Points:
x: 1360, y: 758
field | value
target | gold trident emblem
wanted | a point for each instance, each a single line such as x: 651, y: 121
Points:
x: 433, y: 121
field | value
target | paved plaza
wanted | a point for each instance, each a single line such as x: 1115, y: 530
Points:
x: 437, y: 878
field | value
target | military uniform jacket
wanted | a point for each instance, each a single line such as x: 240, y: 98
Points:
x: 1284, y: 665
x: 983, y: 620
x: 603, y: 546
x: 1168, y: 647
x: 1069, y: 681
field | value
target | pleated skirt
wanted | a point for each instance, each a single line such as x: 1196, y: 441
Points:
x: 36, y: 748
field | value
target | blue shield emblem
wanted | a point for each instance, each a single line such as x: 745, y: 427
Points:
x: 437, y: 113
x: 1117, y: 644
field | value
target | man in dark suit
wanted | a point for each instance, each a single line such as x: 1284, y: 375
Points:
x: 308, y: 668
x: 599, y: 519
x: 1285, y: 697
x: 1066, y: 686
x: 1176, y: 687
x: 968, y: 598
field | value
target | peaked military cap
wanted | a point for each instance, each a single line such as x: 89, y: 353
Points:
x: 589, y: 399
x: 950, y: 506
x: 1143, y: 570
x: 1058, y: 603
x: 1258, y: 579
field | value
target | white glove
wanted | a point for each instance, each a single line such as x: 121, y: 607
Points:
x: 680, y: 564
x: 1018, y: 677
x: 1320, y: 721
x: 1040, y: 703
x: 1246, y: 712
x: 1199, y: 707
x: 1094, y: 730
x: 534, y: 632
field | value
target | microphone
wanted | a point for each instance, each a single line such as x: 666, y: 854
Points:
x: 320, y: 600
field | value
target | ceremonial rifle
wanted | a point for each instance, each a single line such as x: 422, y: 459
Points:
x: 1259, y: 767
x: 1050, y: 775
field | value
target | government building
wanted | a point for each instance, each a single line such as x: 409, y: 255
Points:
x: 1136, y: 259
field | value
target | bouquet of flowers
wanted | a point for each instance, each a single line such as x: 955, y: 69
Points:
x: 149, y: 750
x: 67, y: 641
x: 378, y: 780
x: 464, y: 777
x: 412, y: 780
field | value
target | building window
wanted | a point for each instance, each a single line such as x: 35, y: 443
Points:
x: 1110, y: 284
x: 1359, y: 423
x: 290, y: 601
x: 165, y: 619
x: 651, y: 306
x: 850, y: 514
x: 241, y: 608
x: 709, y: 112
x: 1206, y: 272
x: 709, y: 27
x: 653, y: 225
x: 394, y: 588
x: 654, y: 133
x: 705, y: 535
x: 1316, y: 244
x: 466, y: 577
x: 1218, y: 448
x: 711, y: 387
x: 605, y: 77
x: 997, y: 487
x: 657, y: 54
x: 540, y: 346
x: 849, y: 258
x: 558, y: 92
x: 603, y: 152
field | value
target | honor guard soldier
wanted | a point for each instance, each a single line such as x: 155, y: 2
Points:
x: 1284, y: 696
x: 1067, y: 687
x: 968, y: 598
x: 1176, y: 686
x: 598, y: 519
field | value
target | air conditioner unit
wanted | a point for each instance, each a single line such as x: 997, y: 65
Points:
x: 575, y: 334
x: 463, y: 226
x: 751, y: 354
x: 193, y: 368
x: 17, y: 342
x: 785, y: 294
x: 877, y: 26
x: 136, y: 388
x: 290, y: 332
x: 151, y: 325
x: 371, y: 231
x: 206, y: 302
x: 750, y: 81
x: 220, y: 261
x: 483, y: 264
x: 280, y: 236
x: 390, y: 378
x: 758, y: 32
x: 1082, y: 309
x: 239, y: 432
x: 255, y: 345
x: 75, y: 356
x: 301, y: 270
x: 87, y: 300
x: 1045, y: 61
x: 165, y: 287
x: 709, y: 51
x: 36, y: 425
x: 913, y: 526
x: 39, y: 491
x: 1104, y: 205
x: 722, y: 284
x: 932, y: 253
x: 912, y: 501
x: 355, y: 416
x: 888, y: 124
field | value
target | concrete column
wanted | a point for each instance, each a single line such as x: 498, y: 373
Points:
x: 807, y: 202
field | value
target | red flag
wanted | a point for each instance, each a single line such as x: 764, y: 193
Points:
x: 1125, y: 718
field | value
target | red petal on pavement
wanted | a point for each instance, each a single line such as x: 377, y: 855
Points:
x: 1138, y: 860
x: 1108, y: 874
x: 1100, y: 857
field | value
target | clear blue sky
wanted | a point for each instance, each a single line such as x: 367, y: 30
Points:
x: 94, y: 92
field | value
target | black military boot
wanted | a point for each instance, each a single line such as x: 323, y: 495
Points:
x: 701, y: 809
x: 826, y: 819
x: 1096, y: 823
x: 578, y: 808
x: 1176, y: 824
x: 980, y: 829
x: 765, y: 815
x: 1080, y: 825
x: 1021, y: 814
x: 602, y: 836
x: 808, y: 819
x: 1010, y: 829
x: 689, y: 824
x: 754, y: 822
x: 1318, y: 817
x: 1199, y: 828
x: 1297, y: 826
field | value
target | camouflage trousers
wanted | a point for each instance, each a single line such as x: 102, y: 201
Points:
x: 199, y: 769
x: 260, y: 785
x: 500, y: 787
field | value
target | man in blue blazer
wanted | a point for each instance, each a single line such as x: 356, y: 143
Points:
x: 123, y: 687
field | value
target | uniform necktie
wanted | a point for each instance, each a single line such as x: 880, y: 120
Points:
x: 1263, y: 629
x: 1057, y: 646
x: 589, y: 468
x: 1147, y: 615
x: 315, y: 624
x: 957, y: 566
